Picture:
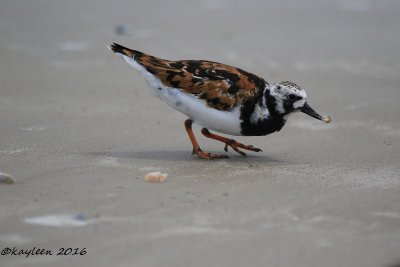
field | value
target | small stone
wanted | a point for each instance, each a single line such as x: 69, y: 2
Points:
x: 80, y: 217
x: 121, y: 30
x: 6, y: 178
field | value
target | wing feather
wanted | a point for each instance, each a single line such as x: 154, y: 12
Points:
x: 223, y: 87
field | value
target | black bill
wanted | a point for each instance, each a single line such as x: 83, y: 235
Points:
x: 309, y: 111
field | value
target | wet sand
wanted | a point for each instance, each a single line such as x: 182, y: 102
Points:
x: 79, y: 130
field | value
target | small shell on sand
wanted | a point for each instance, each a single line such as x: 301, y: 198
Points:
x: 327, y: 119
x: 6, y: 178
x: 155, y: 177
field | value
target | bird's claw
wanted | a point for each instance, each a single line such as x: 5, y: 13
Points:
x: 206, y: 155
x: 236, y: 145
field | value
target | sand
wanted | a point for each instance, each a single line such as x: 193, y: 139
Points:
x: 79, y: 130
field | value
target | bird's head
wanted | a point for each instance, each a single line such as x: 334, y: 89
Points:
x: 289, y: 98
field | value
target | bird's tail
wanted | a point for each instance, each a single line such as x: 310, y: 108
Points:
x: 122, y: 50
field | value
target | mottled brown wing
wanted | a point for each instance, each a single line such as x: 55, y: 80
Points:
x: 223, y: 87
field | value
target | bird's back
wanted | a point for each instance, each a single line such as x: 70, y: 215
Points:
x: 221, y: 86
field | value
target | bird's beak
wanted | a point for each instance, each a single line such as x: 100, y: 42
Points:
x: 309, y: 111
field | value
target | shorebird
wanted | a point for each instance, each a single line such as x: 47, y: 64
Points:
x: 220, y: 98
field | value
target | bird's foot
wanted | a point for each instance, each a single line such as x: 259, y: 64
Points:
x: 236, y: 145
x: 206, y: 155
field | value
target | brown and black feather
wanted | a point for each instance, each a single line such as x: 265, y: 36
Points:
x: 223, y: 87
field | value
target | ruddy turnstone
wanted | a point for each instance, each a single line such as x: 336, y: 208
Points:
x: 219, y: 97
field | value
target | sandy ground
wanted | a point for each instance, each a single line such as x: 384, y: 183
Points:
x: 79, y: 129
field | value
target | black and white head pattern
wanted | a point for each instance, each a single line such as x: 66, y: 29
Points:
x: 289, y: 97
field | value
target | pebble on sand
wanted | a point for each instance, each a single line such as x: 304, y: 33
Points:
x: 155, y: 177
x: 6, y: 178
x: 122, y: 30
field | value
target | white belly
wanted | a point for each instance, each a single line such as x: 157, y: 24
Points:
x: 227, y: 122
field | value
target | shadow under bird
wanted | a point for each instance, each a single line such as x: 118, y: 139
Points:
x: 219, y: 97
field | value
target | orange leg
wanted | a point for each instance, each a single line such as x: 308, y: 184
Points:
x: 196, y: 148
x: 229, y: 142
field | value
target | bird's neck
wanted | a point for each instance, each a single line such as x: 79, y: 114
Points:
x: 261, y: 115
x: 275, y: 104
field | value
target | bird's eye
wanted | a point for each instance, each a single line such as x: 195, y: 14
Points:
x: 292, y: 97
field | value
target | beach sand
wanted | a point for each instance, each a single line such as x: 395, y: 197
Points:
x: 79, y: 130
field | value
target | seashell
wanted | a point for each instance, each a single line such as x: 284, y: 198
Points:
x: 327, y: 119
x: 6, y: 178
x: 155, y: 177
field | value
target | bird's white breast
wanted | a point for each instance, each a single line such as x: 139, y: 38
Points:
x: 227, y: 122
